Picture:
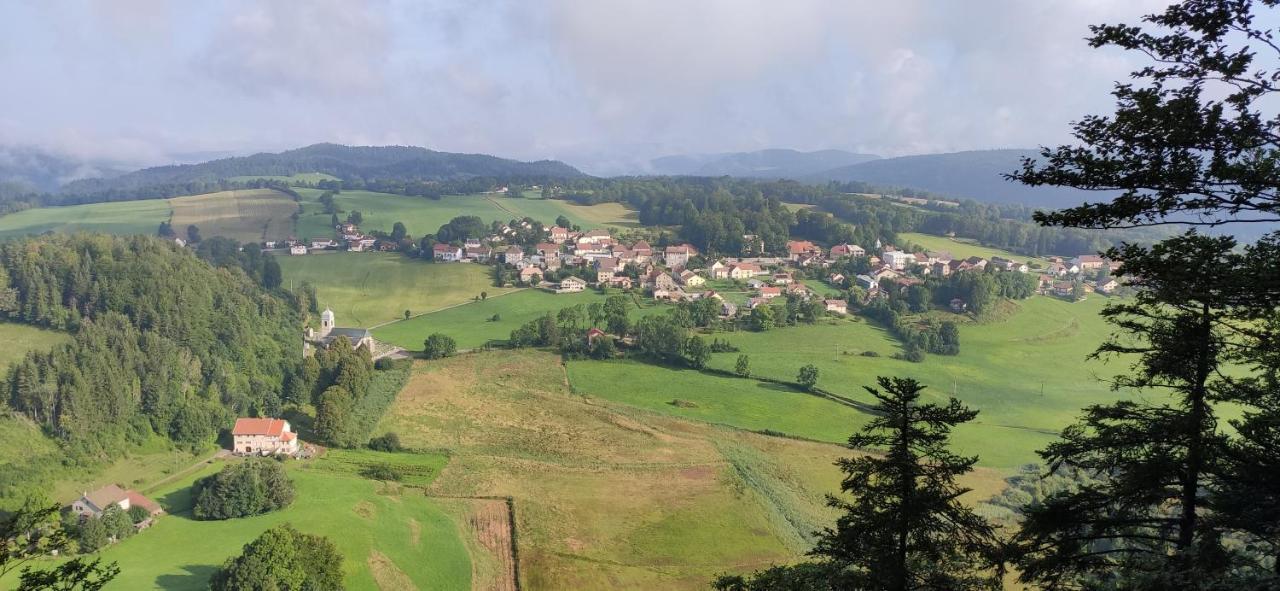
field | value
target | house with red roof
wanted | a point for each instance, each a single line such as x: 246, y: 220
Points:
x: 263, y: 436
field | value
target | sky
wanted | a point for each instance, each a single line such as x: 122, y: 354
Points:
x: 602, y: 84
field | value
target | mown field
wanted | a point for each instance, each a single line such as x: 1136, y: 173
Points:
x: 20, y: 338
x: 391, y: 536
x: 125, y: 217
x: 421, y: 215
x: 472, y: 324
x: 368, y: 288
x: 1027, y: 375
x: 613, y: 497
x: 302, y: 177
x: 252, y: 215
x: 962, y: 248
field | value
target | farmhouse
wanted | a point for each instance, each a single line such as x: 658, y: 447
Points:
x: 530, y: 275
x: 263, y: 437
x: 92, y: 504
x: 691, y: 279
x: 837, y: 306
x: 769, y: 293
x: 328, y: 333
x: 797, y: 249
x: 847, y: 250
x: 897, y: 259
x: 677, y: 256
x: 571, y: 284
x: 1089, y: 262
x: 446, y: 253
x: 512, y: 255
x: 559, y: 235
x: 298, y: 249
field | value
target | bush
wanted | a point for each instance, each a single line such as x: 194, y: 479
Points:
x: 381, y: 472
x: 678, y: 403
x: 870, y: 354
x: 439, y: 346
x: 282, y: 558
x: 251, y: 487
x: 388, y: 442
x: 138, y: 514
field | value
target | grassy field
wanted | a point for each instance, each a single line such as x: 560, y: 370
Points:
x: 368, y: 288
x: 470, y: 324
x: 20, y: 338
x: 388, y: 534
x: 251, y: 215
x: 1027, y: 375
x: 962, y: 248
x: 421, y: 215
x: 123, y: 217
x: 302, y: 177
x: 609, y: 496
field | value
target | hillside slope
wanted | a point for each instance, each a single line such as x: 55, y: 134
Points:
x: 366, y: 162
x: 774, y: 163
x: 974, y: 175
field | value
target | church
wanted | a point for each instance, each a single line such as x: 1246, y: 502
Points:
x: 328, y: 333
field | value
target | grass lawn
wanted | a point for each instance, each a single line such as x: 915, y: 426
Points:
x: 122, y: 217
x: 390, y: 535
x: 609, y: 496
x: 251, y: 215
x: 421, y: 215
x: 1002, y: 370
x: 964, y: 248
x: 470, y: 324
x: 20, y: 338
x: 368, y: 288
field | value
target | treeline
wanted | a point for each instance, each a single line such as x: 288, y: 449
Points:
x: 164, y: 343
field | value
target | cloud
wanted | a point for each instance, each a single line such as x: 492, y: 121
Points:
x: 609, y: 83
x: 327, y: 47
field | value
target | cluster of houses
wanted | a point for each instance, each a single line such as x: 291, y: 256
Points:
x: 250, y: 437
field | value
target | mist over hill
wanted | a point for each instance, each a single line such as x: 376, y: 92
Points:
x: 973, y: 175
x: 366, y: 162
x: 26, y: 169
x: 772, y: 163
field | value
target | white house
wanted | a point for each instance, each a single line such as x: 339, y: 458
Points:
x: 837, y: 306
x: 571, y: 284
x: 92, y: 504
x: 298, y: 249
x: 263, y: 436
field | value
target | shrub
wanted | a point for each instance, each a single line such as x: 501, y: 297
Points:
x: 138, y: 514
x: 252, y: 487
x: 683, y: 403
x: 439, y: 346
x: 282, y: 558
x: 381, y: 472
x: 388, y: 442
x: 870, y: 354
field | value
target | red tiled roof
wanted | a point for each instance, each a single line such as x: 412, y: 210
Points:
x: 269, y: 427
x: 136, y: 499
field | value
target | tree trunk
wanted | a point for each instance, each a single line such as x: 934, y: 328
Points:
x: 1189, y: 496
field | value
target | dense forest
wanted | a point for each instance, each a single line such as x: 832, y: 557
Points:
x: 164, y: 343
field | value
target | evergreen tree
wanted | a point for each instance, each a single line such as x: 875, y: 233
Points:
x: 904, y: 527
x: 334, y: 416
x: 1147, y: 519
x: 743, y: 367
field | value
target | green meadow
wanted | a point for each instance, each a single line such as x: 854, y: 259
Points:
x: 368, y: 288
x: 1026, y: 374
x: 422, y: 215
x: 963, y: 248
x: 301, y: 177
x: 387, y: 532
x: 21, y: 338
x: 122, y: 217
x: 472, y: 324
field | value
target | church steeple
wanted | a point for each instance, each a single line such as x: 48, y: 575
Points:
x: 326, y: 322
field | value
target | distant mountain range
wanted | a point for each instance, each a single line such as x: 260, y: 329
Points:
x: 975, y: 175
x: 774, y: 163
x: 369, y: 162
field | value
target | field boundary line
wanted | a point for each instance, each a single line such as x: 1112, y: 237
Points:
x: 511, y: 523
x: 449, y: 307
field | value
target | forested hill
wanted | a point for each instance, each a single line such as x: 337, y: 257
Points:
x: 972, y: 175
x: 773, y: 163
x: 164, y: 343
x: 346, y: 162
